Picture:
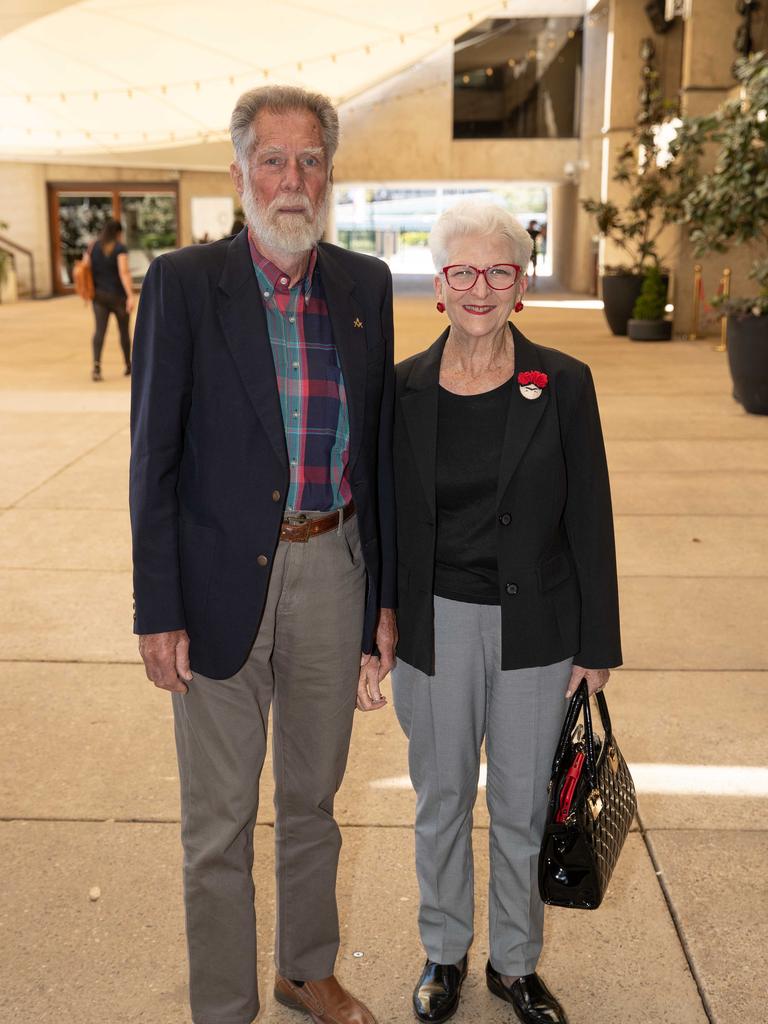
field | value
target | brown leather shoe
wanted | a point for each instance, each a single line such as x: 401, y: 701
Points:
x: 325, y: 1001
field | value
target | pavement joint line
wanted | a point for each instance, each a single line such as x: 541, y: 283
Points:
x: 621, y: 668
x: 69, y: 465
x: 622, y: 575
x: 677, y: 922
x: 70, y: 569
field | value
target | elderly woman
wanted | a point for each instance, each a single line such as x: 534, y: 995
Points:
x: 507, y: 598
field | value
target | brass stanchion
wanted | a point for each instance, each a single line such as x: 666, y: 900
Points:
x: 725, y: 291
x: 694, y: 331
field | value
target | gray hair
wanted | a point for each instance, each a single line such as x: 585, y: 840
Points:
x: 279, y: 99
x: 478, y: 217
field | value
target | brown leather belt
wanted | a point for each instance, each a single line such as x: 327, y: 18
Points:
x: 301, y: 528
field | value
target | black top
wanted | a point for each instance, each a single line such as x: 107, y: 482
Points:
x: 106, y: 277
x: 470, y: 434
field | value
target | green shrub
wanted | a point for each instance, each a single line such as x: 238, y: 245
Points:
x: 652, y: 299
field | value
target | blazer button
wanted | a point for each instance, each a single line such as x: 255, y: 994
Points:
x: 275, y: 495
x: 511, y: 588
x: 505, y: 518
x: 262, y: 560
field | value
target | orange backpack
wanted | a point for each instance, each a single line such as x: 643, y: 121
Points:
x: 82, y: 278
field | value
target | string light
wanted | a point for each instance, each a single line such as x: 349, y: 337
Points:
x: 450, y: 25
x: 197, y: 84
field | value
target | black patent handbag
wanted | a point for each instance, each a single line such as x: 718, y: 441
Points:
x: 590, y: 808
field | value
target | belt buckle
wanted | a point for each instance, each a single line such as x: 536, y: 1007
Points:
x: 300, y: 519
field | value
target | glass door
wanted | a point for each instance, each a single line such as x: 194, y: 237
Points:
x: 149, y: 214
x: 79, y: 218
x: 149, y: 224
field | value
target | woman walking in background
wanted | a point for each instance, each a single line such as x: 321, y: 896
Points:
x: 113, y: 291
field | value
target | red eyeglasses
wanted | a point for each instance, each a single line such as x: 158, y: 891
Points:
x: 501, y: 276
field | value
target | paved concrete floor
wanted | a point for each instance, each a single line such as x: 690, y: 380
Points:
x: 88, y: 788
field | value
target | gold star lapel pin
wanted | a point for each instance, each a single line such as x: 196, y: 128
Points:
x: 358, y: 322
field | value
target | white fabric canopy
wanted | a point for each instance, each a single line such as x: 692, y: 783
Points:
x: 108, y: 76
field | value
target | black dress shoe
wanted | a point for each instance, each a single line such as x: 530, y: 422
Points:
x: 437, y: 993
x: 530, y: 998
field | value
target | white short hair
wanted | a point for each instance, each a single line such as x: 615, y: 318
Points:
x: 281, y: 99
x: 478, y: 217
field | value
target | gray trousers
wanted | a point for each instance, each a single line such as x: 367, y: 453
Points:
x: 305, y: 663
x: 446, y: 716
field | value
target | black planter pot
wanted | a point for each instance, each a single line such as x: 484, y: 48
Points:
x: 620, y: 292
x: 748, y: 359
x: 649, y: 330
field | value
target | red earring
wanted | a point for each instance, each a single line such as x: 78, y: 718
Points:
x: 441, y: 307
x: 518, y: 306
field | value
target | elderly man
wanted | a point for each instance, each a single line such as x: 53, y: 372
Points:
x: 264, y: 563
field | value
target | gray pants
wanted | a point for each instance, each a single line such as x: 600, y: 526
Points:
x: 305, y: 663
x: 445, y: 716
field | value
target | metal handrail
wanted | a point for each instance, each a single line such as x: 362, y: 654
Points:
x: 4, y: 241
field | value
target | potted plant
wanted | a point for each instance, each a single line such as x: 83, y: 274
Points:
x: 650, y: 181
x: 728, y: 206
x: 648, y: 323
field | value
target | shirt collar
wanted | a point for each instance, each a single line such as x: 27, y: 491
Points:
x: 275, y: 276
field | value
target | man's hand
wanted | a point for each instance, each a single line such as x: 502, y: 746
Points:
x: 166, y: 659
x: 369, y: 696
x: 596, y: 679
x: 386, y: 640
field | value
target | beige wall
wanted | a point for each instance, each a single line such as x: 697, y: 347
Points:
x: 24, y: 209
x: 403, y: 131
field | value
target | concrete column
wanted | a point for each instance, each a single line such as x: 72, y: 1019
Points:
x: 578, y: 276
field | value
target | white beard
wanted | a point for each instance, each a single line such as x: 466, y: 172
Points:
x: 289, y: 233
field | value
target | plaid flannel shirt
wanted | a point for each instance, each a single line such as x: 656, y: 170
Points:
x: 310, y: 383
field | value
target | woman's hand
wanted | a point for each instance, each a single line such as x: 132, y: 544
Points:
x: 597, y: 679
x: 130, y: 302
x: 369, y: 696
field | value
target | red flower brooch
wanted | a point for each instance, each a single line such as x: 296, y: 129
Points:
x: 531, y: 383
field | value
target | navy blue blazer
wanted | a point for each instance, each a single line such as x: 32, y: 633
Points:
x: 209, y: 466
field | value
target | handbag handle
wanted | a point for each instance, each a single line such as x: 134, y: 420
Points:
x: 580, y: 702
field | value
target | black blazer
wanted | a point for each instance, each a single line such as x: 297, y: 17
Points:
x: 557, y: 563
x: 209, y: 467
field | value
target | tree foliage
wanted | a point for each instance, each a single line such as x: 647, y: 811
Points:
x: 727, y: 205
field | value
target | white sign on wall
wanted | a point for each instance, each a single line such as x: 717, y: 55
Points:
x: 212, y: 217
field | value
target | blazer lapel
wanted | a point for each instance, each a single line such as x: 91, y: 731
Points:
x: 244, y: 323
x: 523, y: 415
x: 349, y: 336
x: 419, y: 404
